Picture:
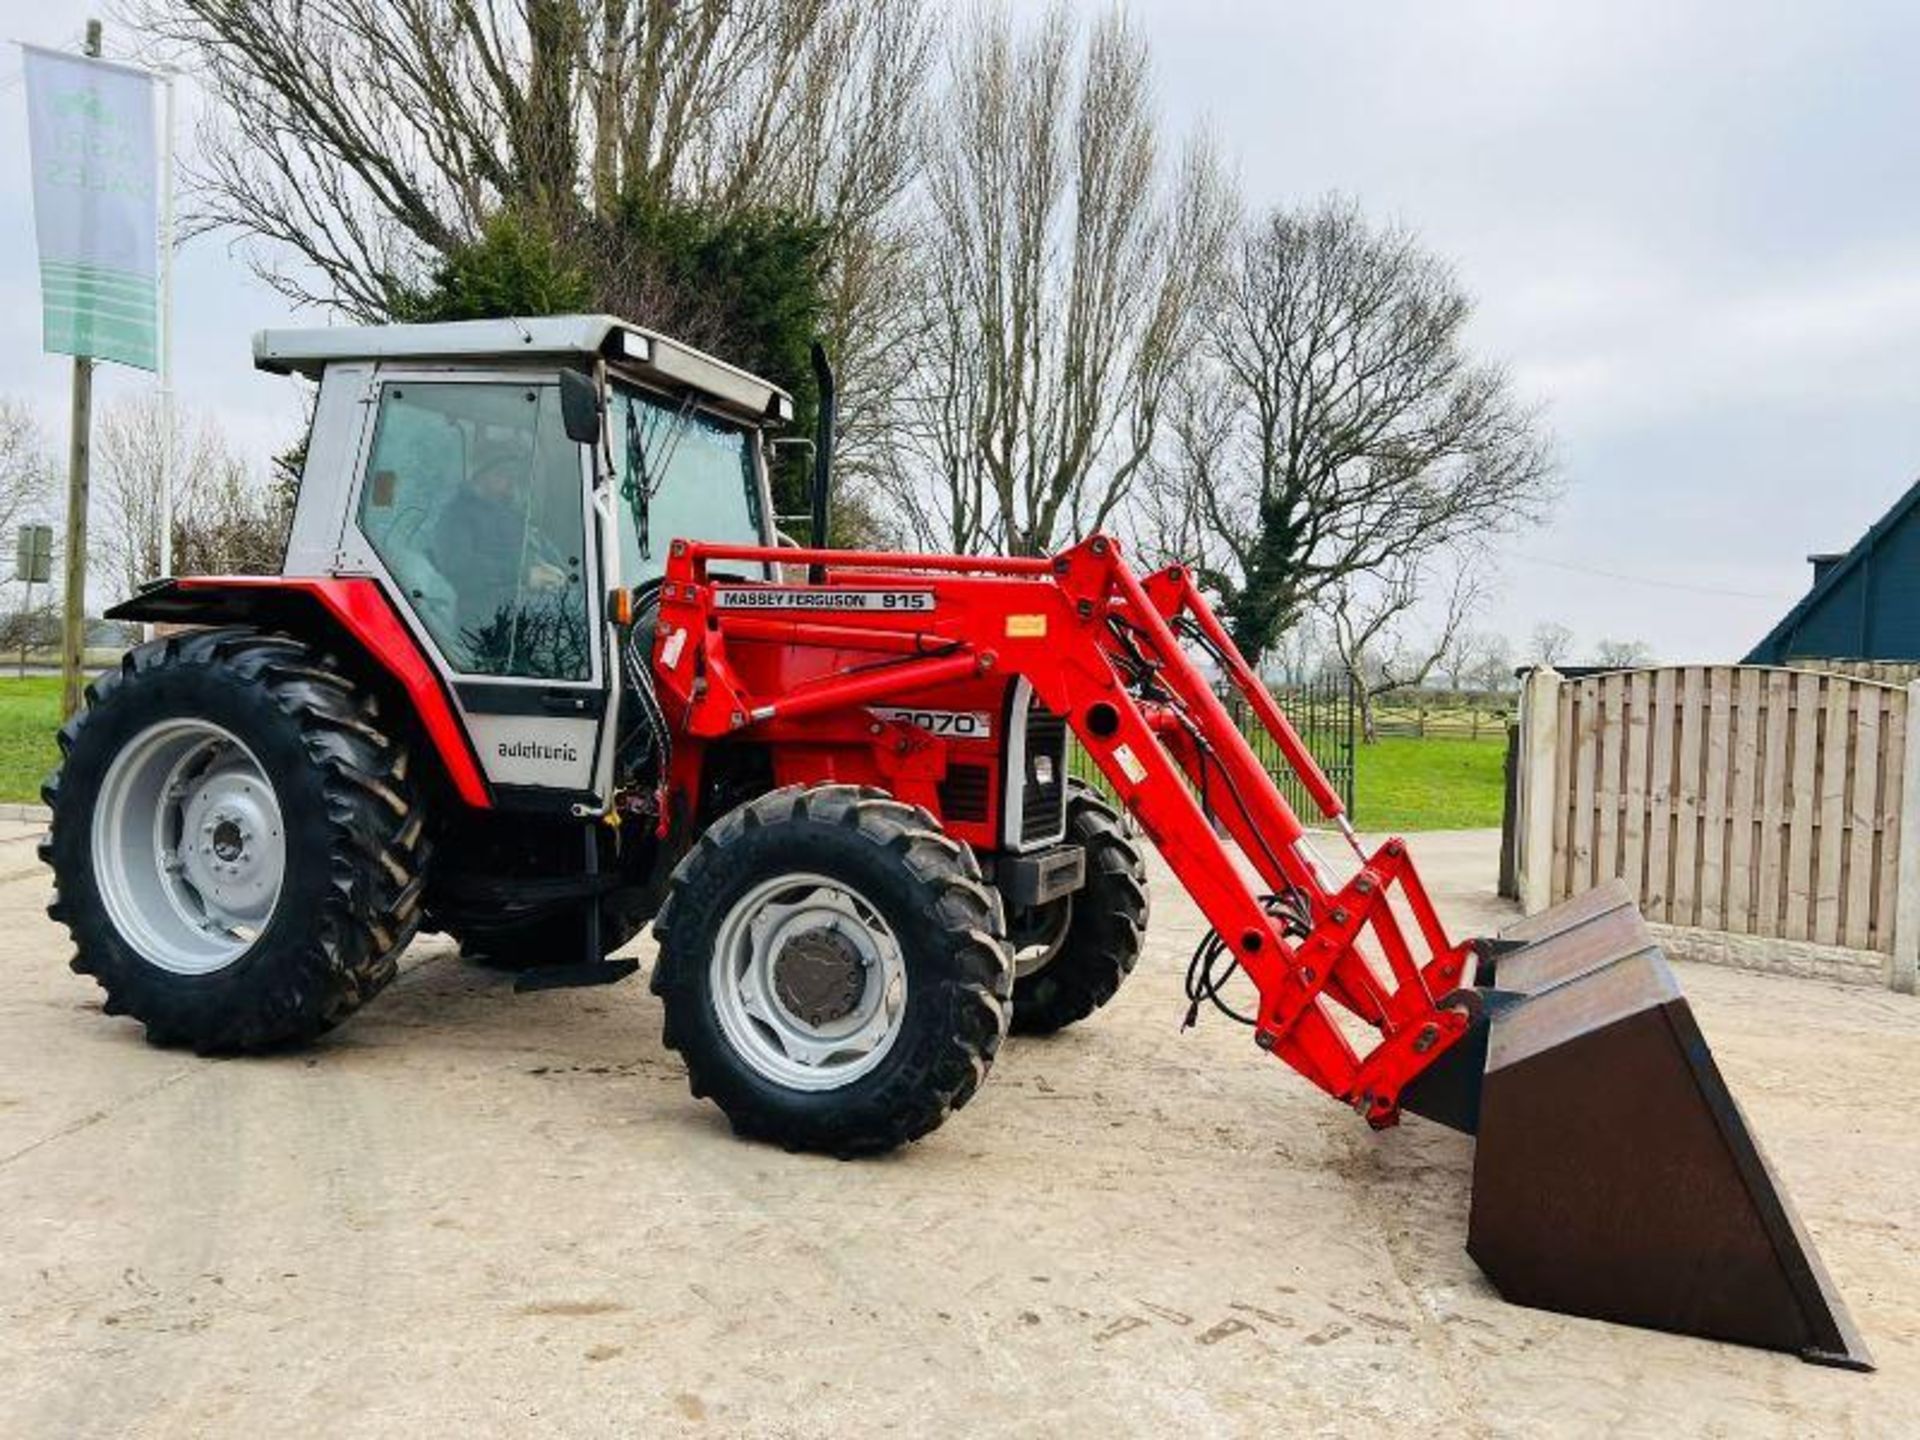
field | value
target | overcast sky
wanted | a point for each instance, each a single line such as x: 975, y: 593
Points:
x: 1693, y: 230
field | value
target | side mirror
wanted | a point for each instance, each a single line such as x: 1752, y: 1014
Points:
x: 579, y: 407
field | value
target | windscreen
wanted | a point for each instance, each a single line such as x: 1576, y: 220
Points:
x: 684, y: 474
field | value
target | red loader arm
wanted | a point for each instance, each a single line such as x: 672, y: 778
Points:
x: 1104, y: 650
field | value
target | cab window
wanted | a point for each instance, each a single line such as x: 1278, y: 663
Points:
x: 683, y: 474
x: 473, y: 500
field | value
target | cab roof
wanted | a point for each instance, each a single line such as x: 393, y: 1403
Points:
x: 627, y: 348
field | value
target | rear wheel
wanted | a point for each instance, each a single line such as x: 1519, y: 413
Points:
x: 834, y: 970
x: 236, y: 845
x: 1083, y: 946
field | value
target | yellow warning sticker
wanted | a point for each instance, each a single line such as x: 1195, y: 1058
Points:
x: 1129, y: 763
x: 1026, y: 627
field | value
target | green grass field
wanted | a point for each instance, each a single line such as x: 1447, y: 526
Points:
x: 29, y: 714
x: 1403, y: 784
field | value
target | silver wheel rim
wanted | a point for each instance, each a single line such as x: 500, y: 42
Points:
x: 1036, y: 955
x: 809, y: 982
x: 189, y: 852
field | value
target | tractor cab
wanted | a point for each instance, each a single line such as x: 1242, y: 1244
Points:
x: 499, y: 479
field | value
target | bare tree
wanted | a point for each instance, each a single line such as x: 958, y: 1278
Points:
x: 353, y: 144
x: 1550, y: 644
x: 1492, y: 672
x: 1477, y: 660
x: 27, y: 492
x: 362, y: 138
x: 1337, y: 425
x: 1461, y: 655
x: 1060, y: 262
x: 1623, y: 654
x: 26, y: 471
x: 1301, y: 654
x: 225, y: 520
x: 1372, y: 620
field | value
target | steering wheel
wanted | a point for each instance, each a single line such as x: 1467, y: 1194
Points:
x: 541, y: 551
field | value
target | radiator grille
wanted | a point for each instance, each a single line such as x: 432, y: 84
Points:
x: 964, y: 793
x: 1044, y: 786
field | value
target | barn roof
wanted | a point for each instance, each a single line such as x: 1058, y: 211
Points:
x: 1863, y: 605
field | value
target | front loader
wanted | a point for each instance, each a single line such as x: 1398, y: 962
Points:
x: 540, y: 669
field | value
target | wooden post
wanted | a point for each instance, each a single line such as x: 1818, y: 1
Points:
x: 26, y: 627
x: 1903, y: 965
x: 73, y: 620
x: 1539, y: 754
x: 1508, y: 887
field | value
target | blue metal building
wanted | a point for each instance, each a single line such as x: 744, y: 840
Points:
x: 1864, y: 604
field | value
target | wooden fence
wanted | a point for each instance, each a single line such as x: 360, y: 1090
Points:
x: 1432, y: 720
x: 1748, y: 800
x: 1887, y: 672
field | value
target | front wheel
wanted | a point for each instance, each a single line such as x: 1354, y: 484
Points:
x: 1086, y: 944
x: 833, y: 970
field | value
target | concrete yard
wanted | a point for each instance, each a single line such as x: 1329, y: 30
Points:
x: 470, y: 1213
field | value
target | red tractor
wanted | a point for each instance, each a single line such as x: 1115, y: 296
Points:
x: 540, y: 669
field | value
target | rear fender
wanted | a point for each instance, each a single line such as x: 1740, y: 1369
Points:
x: 351, y: 612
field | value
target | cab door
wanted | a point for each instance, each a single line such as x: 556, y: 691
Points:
x: 475, y: 508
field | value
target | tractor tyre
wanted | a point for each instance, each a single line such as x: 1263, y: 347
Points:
x: 833, y: 969
x: 1105, y: 926
x: 237, y: 848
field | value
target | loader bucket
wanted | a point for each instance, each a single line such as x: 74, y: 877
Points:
x: 1614, y: 1175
